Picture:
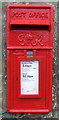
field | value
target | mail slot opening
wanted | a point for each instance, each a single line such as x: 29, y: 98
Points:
x: 30, y: 35
x: 27, y: 27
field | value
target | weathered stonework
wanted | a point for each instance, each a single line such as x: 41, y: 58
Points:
x: 54, y: 112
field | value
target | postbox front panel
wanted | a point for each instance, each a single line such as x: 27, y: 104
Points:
x: 29, y: 58
x: 30, y: 97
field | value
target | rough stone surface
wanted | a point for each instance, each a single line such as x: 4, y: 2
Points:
x: 54, y: 112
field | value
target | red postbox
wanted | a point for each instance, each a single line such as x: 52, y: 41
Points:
x: 29, y: 58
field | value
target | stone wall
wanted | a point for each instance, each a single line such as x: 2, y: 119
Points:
x: 3, y: 113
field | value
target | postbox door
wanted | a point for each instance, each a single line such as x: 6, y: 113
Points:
x: 27, y: 100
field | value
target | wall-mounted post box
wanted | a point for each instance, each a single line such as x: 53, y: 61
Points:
x: 29, y: 58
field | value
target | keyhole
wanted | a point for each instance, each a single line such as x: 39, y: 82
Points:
x: 16, y: 78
